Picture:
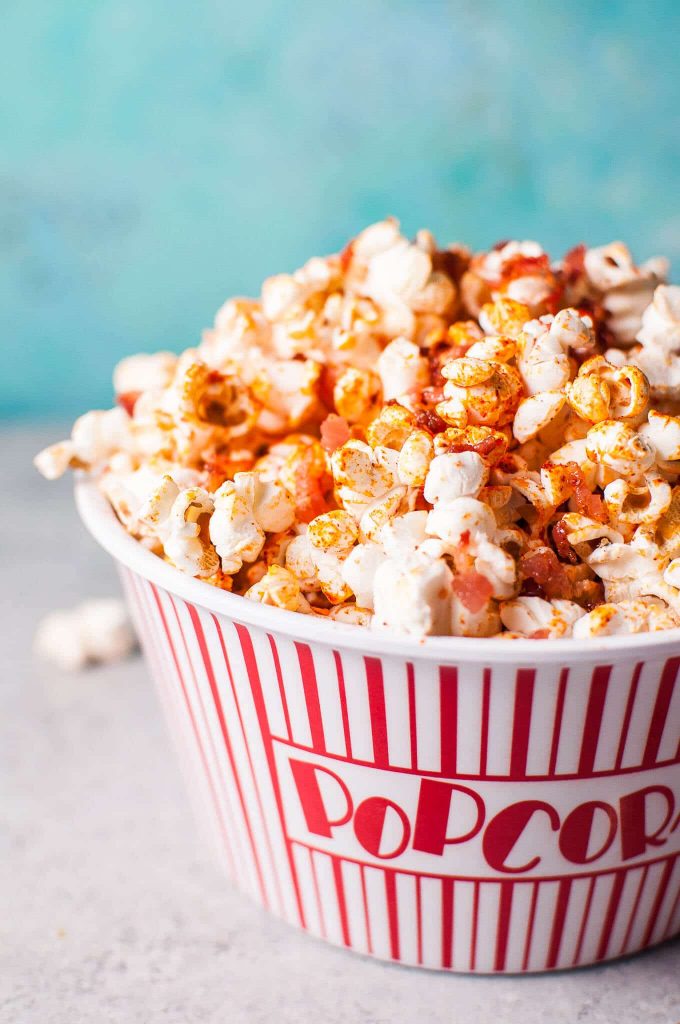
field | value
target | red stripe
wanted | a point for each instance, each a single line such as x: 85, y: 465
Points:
x: 197, y: 736
x: 412, y: 720
x: 490, y: 776
x: 557, y: 724
x: 503, y: 928
x: 448, y: 699
x: 392, y: 913
x: 521, y: 722
x: 530, y: 927
x: 610, y: 916
x: 367, y: 916
x: 660, y: 894
x: 633, y: 913
x: 200, y: 636
x: 419, y: 920
x: 376, y: 706
x: 475, y: 920
x: 632, y: 693
x: 309, y: 686
x: 593, y: 720
x: 279, y: 680
x: 561, y: 907
x: 475, y: 878
x: 342, y: 903
x: 447, y: 922
x: 342, y: 693
x: 584, y: 922
x: 660, y: 713
x: 260, y: 710
x: 486, y: 703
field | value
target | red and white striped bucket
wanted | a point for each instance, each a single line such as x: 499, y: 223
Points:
x: 466, y: 805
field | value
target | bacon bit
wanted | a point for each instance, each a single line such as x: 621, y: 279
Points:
x: 573, y: 264
x: 346, y: 256
x: 452, y: 262
x: 497, y: 246
x: 542, y: 566
x: 433, y: 395
x: 527, y: 266
x: 127, y: 401
x: 472, y: 589
x: 539, y: 634
x: 587, y: 503
x: 309, y: 497
x: 327, y: 381
x: 484, y: 448
x: 430, y: 421
x: 215, y: 377
x: 562, y: 545
x: 334, y: 432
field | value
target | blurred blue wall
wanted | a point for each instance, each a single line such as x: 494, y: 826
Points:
x: 158, y: 155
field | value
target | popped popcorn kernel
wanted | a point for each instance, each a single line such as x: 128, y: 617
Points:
x: 408, y: 436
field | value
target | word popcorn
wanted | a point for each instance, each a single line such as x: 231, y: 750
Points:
x: 417, y: 439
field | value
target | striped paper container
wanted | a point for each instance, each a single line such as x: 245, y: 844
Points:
x: 473, y: 806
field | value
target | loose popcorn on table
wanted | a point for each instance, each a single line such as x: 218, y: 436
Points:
x: 94, y: 632
x: 415, y: 439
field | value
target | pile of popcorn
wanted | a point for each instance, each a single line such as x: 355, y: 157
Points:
x: 417, y: 439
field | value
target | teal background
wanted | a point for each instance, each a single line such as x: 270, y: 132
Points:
x: 157, y: 156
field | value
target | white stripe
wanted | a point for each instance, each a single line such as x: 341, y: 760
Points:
x: 670, y: 738
x: 431, y: 921
x: 261, y: 823
x: 501, y: 710
x: 573, y: 719
x: 329, y: 897
x: 205, y: 716
x: 463, y: 903
x: 519, y: 923
x: 407, y: 918
x: 270, y: 684
x: 487, y: 926
x: 540, y: 938
x: 598, y: 911
x: 397, y: 713
x: 667, y: 902
x: 578, y: 897
x: 377, y: 912
x: 329, y: 700
x: 265, y: 784
x: 358, y: 715
x: 428, y: 716
x: 303, y: 869
x: 293, y: 690
x: 623, y: 911
x: 469, y: 734
x: 354, y: 901
x: 544, y: 706
x: 613, y: 715
x: 643, y: 708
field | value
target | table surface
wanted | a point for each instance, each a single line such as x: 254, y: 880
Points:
x: 109, y: 909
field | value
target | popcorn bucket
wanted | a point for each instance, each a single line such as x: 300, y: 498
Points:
x: 468, y: 805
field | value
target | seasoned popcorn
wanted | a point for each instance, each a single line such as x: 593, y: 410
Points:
x: 416, y: 439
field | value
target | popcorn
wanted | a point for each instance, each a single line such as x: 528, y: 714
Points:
x: 416, y: 439
x: 97, y: 631
x: 402, y: 369
x: 181, y: 519
x: 279, y: 588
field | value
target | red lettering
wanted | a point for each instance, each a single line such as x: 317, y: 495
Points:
x: 505, y: 829
x: 577, y: 831
x: 432, y: 816
x: 634, y: 835
x: 369, y: 825
x: 312, y: 800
